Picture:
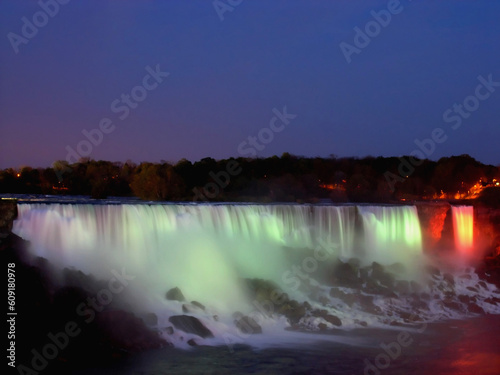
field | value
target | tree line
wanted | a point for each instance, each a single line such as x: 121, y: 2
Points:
x: 287, y: 178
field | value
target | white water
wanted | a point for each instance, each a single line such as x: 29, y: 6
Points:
x: 206, y: 250
x: 463, y: 227
x: 392, y: 234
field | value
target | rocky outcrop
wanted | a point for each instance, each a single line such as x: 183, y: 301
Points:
x: 8, y: 213
x: 273, y: 301
x: 49, y: 303
x: 190, y: 324
x: 175, y: 294
x: 432, y: 218
x: 246, y: 324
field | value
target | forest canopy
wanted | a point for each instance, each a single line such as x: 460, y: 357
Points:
x: 287, y: 178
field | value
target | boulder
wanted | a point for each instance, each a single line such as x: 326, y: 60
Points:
x: 175, y: 294
x: 381, y: 275
x: 122, y: 329
x: 190, y: 308
x: 345, y: 274
x: 448, y: 277
x: 199, y: 305
x: 402, y: 287
x: 472, y: 307
x: 293, y: 310
x: 190, y: 324
x: 333, y: 320
x: 150, y: 319
x: 247, y: 325
x: 8, y: 213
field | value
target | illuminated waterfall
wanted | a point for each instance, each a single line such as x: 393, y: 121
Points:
x: 210, y: 251
x: 204, y: 249
x: 207, y: 249
x: 463, y: 227
x: 391, y: 233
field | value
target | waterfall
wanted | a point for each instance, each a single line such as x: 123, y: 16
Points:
x: 206, y: 249
x: 391, y: 233
x: 212, y: 251
x: 463, y: 228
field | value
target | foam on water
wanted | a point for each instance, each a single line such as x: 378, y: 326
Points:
x: 208, y: 251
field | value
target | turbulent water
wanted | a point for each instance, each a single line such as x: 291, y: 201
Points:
x: 361, y: 264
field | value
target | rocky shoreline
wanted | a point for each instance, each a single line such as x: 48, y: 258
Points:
x: 50, y: 335
x: 62, y: 326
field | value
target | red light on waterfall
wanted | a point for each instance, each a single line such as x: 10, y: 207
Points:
x: 463, y: 224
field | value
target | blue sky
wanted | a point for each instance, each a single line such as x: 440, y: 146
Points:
x: 227, y: 76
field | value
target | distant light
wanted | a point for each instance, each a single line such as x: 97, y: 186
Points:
x: 18, y: 175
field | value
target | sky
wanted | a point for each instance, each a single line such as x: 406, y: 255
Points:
x: 157, y: 80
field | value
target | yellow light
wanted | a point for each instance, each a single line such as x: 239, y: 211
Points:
x: 19, y: 175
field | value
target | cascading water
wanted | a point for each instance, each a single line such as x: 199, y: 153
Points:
x: 463, y: 227
x: 391, y: 233
x: 212, y: 251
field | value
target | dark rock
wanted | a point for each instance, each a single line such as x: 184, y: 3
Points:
x: 492, y: 300
x: 126, y: 331
x: 8, y: 213
x: 191, y: 342
x: 197, y: 304
x: 398, y: 268
x: 247, y: 325
x: 329, y: 318
x: 323, y: 300
x: 336, y: 293
x: 453, y: 305
x: 474, y: 308
x: 150, y: 319
x: 466, y: 299
x: 425, y: 296
x: 332, y: 319
x: 322, y: 327
x: 66, y: 300
x: 362, y: 323
x: 434, y: 271
x: 169, y: 330
x: 472, y: 289
x: 354, y: 262
x: 345, y: 274
x: 364, y: 274
x: 366, y: 303
x: 190, y: 324
x: 402, y: 287
x: 191, y: 308
x: 262, y: 290
x: 293, y: 311
x: 448, y: 277
x: 417, y: 303
x: 175, y: 294
x: 373, y: 287
x: 409, y: 317
x: 416, y: 287
x: 383, y: 277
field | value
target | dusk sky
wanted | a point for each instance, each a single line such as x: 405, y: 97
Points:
x: 232, y: 68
